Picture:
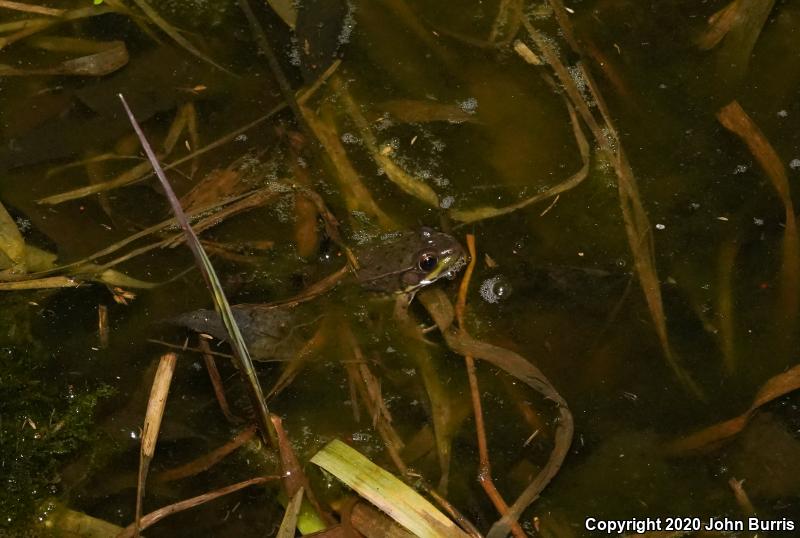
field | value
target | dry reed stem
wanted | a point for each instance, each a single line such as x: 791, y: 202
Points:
x: 391, y: 440
x: 30, y: 8
x: 32, y: 26
x: 439, y: 400
x: 163, y: 225
x: 221, y: 305
x: 152, y: 425
x: 251, y: 201
x: 362, y: 377
x: 306, y: 232
x: 370, y: 389
x: 739, y: 24
x: 289, y: 521
x: 41, y: 283
x: 179, y: 123
x: 295, y: 365
x: 305, y: 94
x: 372, y: 523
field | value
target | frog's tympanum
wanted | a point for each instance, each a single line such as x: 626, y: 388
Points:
x: 401, y: 265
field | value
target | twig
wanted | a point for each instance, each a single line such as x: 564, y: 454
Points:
x: 485, y: 467
x: 216, y: 382
x: 157, y: 515
x: 206, y: 461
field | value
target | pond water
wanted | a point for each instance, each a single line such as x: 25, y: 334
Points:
x: 652, y: 275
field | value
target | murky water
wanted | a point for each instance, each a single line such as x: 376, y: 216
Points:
x: 446, y: 98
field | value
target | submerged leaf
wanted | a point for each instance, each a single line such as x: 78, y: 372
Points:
x: 713, y: 436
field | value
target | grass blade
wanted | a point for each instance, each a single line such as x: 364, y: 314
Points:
x: 209, y: 275
x: 386, y: 491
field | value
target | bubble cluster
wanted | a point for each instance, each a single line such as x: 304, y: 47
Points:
x: 495, y: 289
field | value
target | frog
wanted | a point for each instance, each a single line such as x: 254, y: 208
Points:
x: 409, y: 261
x: 397, y: 266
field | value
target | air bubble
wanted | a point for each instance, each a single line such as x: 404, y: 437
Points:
x: 495, y: 289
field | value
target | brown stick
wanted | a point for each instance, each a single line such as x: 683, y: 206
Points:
x: 206, y: 461
x: 216, y: 382
x: 485, y: 466
x: 157, y: 515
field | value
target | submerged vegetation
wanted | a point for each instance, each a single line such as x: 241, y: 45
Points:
x: 45, y: 421
x: 619, y: 343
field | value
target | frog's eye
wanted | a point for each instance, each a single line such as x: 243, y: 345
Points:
x: 427, y: 261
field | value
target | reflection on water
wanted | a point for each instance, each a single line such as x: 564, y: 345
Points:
x: 635, y: 232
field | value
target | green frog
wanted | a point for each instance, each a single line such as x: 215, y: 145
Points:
x: 402, y: 264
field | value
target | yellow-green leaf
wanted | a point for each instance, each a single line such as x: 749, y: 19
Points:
x: 385, y: 491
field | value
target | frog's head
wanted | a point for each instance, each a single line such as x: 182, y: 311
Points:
x: 411, y: 261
